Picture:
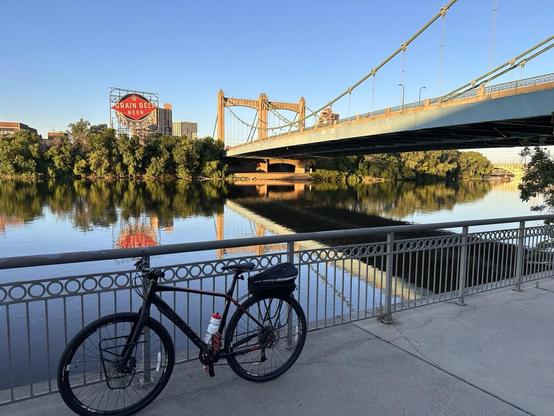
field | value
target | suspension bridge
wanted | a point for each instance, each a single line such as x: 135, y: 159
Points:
x: 479, y: 114
x: 510, y: 171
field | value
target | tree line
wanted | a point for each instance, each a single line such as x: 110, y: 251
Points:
x: 97, y: 151
x: 443, y: 164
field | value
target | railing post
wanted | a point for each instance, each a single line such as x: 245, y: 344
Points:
x: 462, y: 269
x: 147, y: 354
x: 290, y: 259
x: 519, y: 261
x: 386, y: 318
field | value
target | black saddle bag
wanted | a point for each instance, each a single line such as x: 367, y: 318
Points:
x: 276, y: 281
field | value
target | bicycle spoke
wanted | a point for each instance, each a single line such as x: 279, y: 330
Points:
x: 101, y: 381
x: 261, y: 351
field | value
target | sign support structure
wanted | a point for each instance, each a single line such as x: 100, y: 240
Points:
x: 133, y: 113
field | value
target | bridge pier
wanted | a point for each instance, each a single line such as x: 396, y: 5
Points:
x: 269, y: 165
x: 264, y: 165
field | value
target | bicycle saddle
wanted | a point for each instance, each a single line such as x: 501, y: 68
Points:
x: 240, y: 267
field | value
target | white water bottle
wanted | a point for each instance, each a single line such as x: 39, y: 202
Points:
x: 215, y: 321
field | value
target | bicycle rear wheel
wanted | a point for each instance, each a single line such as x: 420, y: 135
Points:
x: 93, y: 380
x: 263, y: 352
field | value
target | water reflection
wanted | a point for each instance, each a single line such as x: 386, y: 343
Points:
x: 401, y: 199
x: 90, y: 206
x: 101, y: 204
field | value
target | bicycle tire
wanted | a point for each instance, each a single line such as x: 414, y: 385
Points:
x: 232, y: 333
x: 79, y: 340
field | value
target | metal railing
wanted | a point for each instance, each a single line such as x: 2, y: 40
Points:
x: 511, y: 85
x: 344, y: 281
x: 505, y: 86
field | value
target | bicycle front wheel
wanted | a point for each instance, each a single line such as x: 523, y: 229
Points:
x: 265, y: 337
x: 92, y: 377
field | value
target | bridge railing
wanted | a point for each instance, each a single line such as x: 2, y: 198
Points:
x: 512, y: 85
x: 344, y: 276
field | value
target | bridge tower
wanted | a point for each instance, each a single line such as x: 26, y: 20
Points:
x: 262, y: 105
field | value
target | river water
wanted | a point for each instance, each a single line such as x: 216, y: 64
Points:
x: 39, y: 217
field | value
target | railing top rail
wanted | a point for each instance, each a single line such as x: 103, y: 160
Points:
x: 112, y: 254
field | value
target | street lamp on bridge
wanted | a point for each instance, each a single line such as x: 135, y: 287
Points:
x: 402, y: 85
x: 420, y: 89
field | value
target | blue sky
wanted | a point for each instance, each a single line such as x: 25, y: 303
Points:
x: 61, y: 57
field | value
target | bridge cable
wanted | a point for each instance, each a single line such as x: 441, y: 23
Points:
x: 403, y: 46
x: 251, y: 132
x: 275, y: 110
x: 492, y: 44
x: 215, y: 125
x: 441, y: 53
x: 372, y: 92
x: 293, y: 120
x: 403, y: 77
x: 442, y: 12
x: 502, y: 69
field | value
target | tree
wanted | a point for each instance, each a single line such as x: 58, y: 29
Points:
x: 538, y: 179
x: 131, y: 154
x: 443, y: 164
x: 212, y: 154
x: 102, y: 157
x: 435, y: 163
x: 157, y: 156
x: 187, y: 158
x: 80, y: 168
x: 473, y: 165
x: 96, y: 150
x: 60, y: 158
x: 20, y: 154
x: 385, y: 166
x: 79, y: 134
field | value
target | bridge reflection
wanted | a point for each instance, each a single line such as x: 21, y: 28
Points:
x: 282, y: 208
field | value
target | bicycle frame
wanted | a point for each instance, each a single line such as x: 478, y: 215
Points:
x: 151, y: 297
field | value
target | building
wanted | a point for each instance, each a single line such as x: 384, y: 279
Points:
x: 327, y: 117
x: 9, y: 127
x: 185, y: 128
x: 165, y: 120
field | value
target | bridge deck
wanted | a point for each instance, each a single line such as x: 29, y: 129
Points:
x: 501, y: 118
x: 490, y: 357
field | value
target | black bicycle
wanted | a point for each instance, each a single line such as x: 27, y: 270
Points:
x: 118, y: 364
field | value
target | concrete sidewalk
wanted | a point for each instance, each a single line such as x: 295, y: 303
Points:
x: 490, y: 357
